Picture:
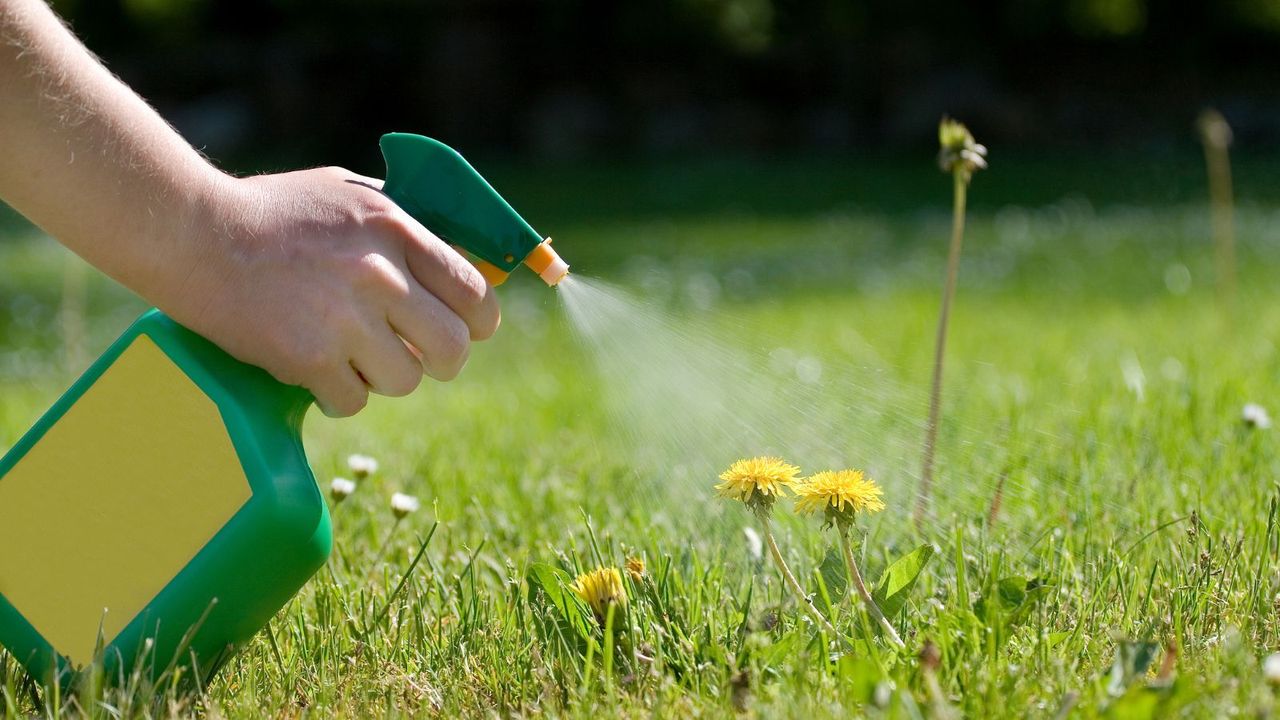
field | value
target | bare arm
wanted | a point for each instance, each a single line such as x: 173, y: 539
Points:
x: 313, y: 275
x: 87, y: 160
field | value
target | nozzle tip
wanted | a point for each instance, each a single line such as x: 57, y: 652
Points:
x: 547, y: 263
x: 555, y: 272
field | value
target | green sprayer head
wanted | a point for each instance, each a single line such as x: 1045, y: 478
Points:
x: 435, y: 185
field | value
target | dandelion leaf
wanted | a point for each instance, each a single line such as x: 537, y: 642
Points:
x: 1008, y: 602
x: 834, y: 575
x: 898, y: 579
x: 549, y: 587
x: 859, y: 677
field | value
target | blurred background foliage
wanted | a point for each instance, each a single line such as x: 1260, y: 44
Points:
x: 261, y: 85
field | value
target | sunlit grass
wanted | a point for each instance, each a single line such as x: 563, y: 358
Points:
x: 1138, y: 509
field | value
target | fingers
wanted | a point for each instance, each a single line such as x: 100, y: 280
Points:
x: 441, y: 337
x: 340, y: 392
x: 386, y: 365
x: 447, y: 275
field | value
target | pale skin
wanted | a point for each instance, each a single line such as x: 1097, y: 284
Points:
x: 313, y: 275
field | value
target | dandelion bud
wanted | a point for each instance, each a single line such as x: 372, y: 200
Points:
x: 635, y: 568
x: 959, y: 152
x: 340, y: 489
x: 362, y: 466
x: 930, y: 656
x: 403, y: 505
x: 1214, y: 130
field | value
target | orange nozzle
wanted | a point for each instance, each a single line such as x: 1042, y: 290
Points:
x: 493, y: 274
x: 547, y: 263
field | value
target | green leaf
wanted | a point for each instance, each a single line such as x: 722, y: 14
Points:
x: 834, y: 575
x: 859, y: 677
x: 775, y: 655
x: 551, y: 584
x: 1010, y: 601
x: 899, y: 578
x: 1012, y: 592
x: 1133, y: 657
x: 1138, y: 704
x: 1033, y: 592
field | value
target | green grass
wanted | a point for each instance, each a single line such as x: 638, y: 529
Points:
x: 1142, y: 520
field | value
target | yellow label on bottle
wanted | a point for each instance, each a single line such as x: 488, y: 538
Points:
x: 115, y: 499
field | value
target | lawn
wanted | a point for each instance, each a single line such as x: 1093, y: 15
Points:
x: 1103, y: 536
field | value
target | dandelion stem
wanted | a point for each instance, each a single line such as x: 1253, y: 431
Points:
x: 940, y: 346
x: 1216, y: 136
x: 870, y: 602
x: 794, y: 584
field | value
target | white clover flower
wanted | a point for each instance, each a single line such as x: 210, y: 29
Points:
x: 341, y: 488
x: 883, y: 694
x: 1255, y: 416
x: 1271, y: 668
x: 402, y: 505
x: 362, y: 466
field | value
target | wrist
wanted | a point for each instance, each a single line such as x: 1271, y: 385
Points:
x: 197, y: 231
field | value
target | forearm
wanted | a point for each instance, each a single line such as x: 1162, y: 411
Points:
x: 90, y: 162
x: 315, y: 276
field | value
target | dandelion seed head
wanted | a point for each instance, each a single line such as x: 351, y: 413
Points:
x: 362, y: 466
x: 402, y: 505
x: 840, y: 494
x: 757, y: 481
x: 601, y: 588
x: 341, y: 488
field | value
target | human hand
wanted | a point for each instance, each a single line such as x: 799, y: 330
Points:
x: 320, y: 279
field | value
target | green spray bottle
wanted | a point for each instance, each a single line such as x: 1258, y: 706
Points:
x: 163, y: 510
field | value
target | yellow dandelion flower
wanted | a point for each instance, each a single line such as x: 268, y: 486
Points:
x: 635, y: 568
x: 757, y: 481
x: 601, y: 588
x: 840, y: 493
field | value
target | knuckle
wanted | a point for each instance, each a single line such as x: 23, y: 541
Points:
x: 340, y: 403
x: 451, y: 352
x: 487, y: 321
x: 336, y: 171
x: 406, y: 382
x: 373, y: 270
x: 473, y: 289
x: 359, y: 401
x: 353, y: 402
x: 310, y: 360
x: 385, y: 218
